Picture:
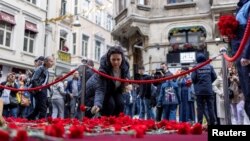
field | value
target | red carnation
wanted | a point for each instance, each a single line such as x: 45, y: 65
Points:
x: 188, y: 83
x: 76, y: 131
x: 140, y: 130
x: 196, y: 129
x: 21, y: 136
x: 228, y: 26
x: 4, y: 135
x: 184, y: 128
x: 83, y: 108
x: 55, y: 130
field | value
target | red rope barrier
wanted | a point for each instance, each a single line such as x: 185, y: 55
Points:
x: 154, y: 80
x: 39, y: 87
x: 242, y: 45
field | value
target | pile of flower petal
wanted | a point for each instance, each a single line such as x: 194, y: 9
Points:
x: 20, y: 129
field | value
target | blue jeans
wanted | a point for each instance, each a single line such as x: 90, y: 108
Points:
x: 145, y: 107
x: 10, y: 111
x: 128, y: 109
x: 169, y: 112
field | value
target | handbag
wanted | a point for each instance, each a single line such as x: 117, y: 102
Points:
x: 13, y: 100
x: 6, y: 96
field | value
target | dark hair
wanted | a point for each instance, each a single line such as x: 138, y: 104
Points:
x: 115, y: 50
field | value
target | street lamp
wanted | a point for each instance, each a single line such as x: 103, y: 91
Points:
x: 76, y: 22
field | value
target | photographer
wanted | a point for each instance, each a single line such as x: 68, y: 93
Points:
x: 160, y: 73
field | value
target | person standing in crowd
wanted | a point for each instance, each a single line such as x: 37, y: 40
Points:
x: 129, y: 100
x: 10, y: 108
x: 58, y: 99
x: 162, y: 72
x: 105, y: 95
x: 74, y: 90
x: 184, y: 89
x: 41, y: 77
x: 168, y: 100
x: 219, y: 99
x: 243, y: 62
x: 146, y: 92
x: 89, y: 71
x: 202, y: 79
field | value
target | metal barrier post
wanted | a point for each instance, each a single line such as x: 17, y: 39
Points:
x: 225, y: 88
x: 82, y: 72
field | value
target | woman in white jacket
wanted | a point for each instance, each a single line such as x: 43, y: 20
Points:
x: 218, y: 89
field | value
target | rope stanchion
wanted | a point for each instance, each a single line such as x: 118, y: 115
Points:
x: 154, y: 80
x: 39, y: 87
x: 242, y: 45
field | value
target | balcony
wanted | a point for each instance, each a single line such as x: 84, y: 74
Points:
x: 64, y: 56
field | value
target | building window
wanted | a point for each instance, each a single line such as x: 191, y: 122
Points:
x: 32, y: 1
x: 86, y: 5
x: 85, y: 45
x: 98, y: 17
x: 74, y: 43
x: 5, y: 33
x: 143, y: 2
x: 63, y: 7
x: 177, y: 1
x: 97, y: 50
x: 109, y: 23
x: 122, y: 5
x: 29, y: 41
x: 187, y: 38
x: 63, y: 37
x: 76, y: 7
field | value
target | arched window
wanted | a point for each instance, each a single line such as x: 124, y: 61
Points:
x: 187, y: 37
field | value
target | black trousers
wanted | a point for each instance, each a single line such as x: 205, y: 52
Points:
x: 203, y: 102
x: 40, y: 109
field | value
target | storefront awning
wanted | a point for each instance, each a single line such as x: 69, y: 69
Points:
x: 7, y: 18
x: 31, y: 27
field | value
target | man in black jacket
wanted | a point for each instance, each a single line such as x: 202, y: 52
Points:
x: 202, y: 80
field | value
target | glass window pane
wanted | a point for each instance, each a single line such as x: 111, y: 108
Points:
x: 26, y: 33
x: 34, y: 1
x: 32, y: 35
x: 1, y: 36
x: 9, y: 27
x: 8, y: 38
x: 86, y: 49
x: 2, y: 25
x: 25, y: 44
x: 31, y: 46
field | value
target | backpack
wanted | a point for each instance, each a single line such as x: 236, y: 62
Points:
x: 170, y: 96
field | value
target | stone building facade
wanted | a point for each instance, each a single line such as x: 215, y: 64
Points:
x: 172, y: 31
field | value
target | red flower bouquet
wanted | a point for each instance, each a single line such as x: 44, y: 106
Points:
x: 228, y: 26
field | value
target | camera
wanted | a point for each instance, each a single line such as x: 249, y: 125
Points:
x: 159, y: 73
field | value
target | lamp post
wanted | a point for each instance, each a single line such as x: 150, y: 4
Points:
x: 82, y: 72
x: 225, y: 88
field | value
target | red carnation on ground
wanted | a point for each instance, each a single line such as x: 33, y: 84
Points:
x: 4, y: 135
x: 196, y: 129
x: 184, y: 129
x: 140, y: 130
x: 228, y: 26
x: 55, y: 130
x: 76, y: 131
x: 22, y: 135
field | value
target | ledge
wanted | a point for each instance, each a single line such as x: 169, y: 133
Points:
x: 7, y: 48
x: 144, y: 7
x: 28, y: 54
x: 179, y: 5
